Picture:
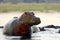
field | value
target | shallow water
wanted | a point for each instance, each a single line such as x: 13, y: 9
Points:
x: 46, y: 19
x: 42, y: 35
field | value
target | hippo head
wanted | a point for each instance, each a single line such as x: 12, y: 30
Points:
x: 29, y: 18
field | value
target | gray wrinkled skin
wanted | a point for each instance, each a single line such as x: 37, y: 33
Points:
x: 9, y: 26
x: 8, y: 30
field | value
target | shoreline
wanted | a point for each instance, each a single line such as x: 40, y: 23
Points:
x: 52, y: 18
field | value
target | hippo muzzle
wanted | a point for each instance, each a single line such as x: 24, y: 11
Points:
x: 37, y: 21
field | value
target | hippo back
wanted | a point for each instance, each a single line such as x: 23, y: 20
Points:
x: 9, y: 26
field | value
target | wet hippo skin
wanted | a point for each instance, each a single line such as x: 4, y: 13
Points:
x: 21, y: 26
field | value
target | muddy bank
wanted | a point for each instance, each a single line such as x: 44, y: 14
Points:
x: 46, y: 18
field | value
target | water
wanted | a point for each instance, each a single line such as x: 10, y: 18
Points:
x: 42, y: 35
x: 46, y: 19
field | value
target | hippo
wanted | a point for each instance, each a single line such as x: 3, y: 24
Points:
x: 21, y: 26
x: 51, y: 26
x: 42, y: 29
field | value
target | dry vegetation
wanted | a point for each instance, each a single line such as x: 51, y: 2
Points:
x: 29, y: 7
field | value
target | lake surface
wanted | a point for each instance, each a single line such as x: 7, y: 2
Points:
x: 46, y: 19
x: 42, y: 35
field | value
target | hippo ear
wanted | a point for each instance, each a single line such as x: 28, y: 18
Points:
x: 25, y: 12
x: 33, y: 13
x: 23, y: 15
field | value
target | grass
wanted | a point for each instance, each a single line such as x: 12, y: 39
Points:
x: 29, y: 7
